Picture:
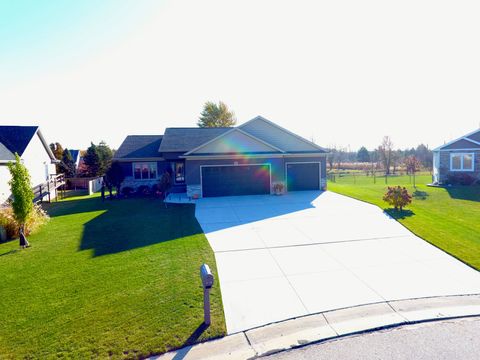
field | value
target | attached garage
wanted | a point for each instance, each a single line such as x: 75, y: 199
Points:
x: 233, y: 180
x: 303, y: 176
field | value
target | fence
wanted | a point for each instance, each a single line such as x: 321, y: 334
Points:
x: 377, y: 177
x: 91, y: 185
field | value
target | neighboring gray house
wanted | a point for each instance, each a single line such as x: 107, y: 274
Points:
x: 245, y: 160
x: 460, y: 156
x: 29, y: 143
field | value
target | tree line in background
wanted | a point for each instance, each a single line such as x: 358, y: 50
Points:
x: 95, y: 161
x: 384, y: 158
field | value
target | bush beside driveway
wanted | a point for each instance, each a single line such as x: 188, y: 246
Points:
x: 446, y: 217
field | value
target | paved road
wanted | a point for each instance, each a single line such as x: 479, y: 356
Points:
x: 448, y: 340
x: 280, y: 257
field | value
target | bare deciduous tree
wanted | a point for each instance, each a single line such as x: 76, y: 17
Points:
x: 385, y: 151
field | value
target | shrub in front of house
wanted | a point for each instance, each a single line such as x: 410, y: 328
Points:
x: 398, y: 197
x: 127, y: 191
x: 35, y: 221
x: 143, y: 190
x: 460, y: 179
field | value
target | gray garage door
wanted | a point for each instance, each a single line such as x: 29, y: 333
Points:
x: 303, y: 176
x: 235, y: 180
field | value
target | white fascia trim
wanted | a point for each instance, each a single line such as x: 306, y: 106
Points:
x: 230, y: 131
x: 246, y: 156
x: 138, y: 159
x: 304, y: 155
x: 457, y: 150
x: 47, y: 147
x: 464, y: 137
x: 233, y: 156
x: 259, y: 117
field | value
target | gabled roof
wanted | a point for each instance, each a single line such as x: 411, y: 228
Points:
x: 75, y: 154
x: 235, y: 140
x: 139, y: 146
x: 280, y: 137
x: 185, y: 139
x: 15, y: 139
x: 466, y: 142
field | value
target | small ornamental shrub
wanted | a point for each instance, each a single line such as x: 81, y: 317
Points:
x: 460, y: 179
x: 398, y: 197
x: 36, y: 219
x: 127, y: 191
x: 143, y: 190
x: 155, y: 190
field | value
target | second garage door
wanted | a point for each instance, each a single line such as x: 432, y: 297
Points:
x: 303, y: 176
x: 235, y: 180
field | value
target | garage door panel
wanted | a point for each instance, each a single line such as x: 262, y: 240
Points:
x: 303, y: 176
x: 235, y: 180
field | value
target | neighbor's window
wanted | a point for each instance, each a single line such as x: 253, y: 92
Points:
x: 461, y: 161
x: 145, y: 171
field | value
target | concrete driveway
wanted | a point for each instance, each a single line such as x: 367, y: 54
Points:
x: 281, y: 257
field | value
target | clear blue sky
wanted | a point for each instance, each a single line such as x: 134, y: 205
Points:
x: 342, y: 73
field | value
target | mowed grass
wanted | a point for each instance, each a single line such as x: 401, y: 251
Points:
x: 446, y: 217
x: 118, y: 279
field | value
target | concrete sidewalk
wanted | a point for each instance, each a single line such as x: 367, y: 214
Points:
x: 305, y: 330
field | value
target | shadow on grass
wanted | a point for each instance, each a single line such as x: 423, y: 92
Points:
x: 420, y: 195
x: 398, y: 214
x: 10, y: 252
x: 465, y: 192
x: 192, y: 339
x: 127, y: 224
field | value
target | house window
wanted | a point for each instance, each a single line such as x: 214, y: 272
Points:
x: 179, y: 172
x: 145, y: 171
x: 461, y: 161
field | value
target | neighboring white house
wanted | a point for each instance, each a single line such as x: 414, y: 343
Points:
x: 29, y: 143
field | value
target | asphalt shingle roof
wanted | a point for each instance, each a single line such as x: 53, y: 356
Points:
x: 186, y: 139
x: 139, y: 146
x: 74, y: 154
x: 15, y: 139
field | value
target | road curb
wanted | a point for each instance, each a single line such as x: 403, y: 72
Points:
x: 298, y: 332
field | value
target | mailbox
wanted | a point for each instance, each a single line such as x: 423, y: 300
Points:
x: 207, y: 276
x: 207, y: 283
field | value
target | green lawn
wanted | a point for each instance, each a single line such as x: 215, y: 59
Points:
x: 446, y: 217
x: 118, y: 279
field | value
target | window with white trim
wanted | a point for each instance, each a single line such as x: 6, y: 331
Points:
x: 461, y: 161
x: 145, y: 170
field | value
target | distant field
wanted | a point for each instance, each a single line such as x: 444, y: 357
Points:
x: 445, y: 217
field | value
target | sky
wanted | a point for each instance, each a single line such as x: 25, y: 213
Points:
x: 341, y: 73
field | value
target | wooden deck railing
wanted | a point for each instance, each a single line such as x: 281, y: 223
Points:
x: 47, y: 188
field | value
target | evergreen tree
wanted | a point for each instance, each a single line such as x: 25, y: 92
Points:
x: 363, y: 155
x: 92, y: 161
x: 68, y: 164
x: 105, y: 155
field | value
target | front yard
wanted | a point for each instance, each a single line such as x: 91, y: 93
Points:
x: 445, y: 217
x: 118, y: 279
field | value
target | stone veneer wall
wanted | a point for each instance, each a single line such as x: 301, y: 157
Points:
x: 133, y: 183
